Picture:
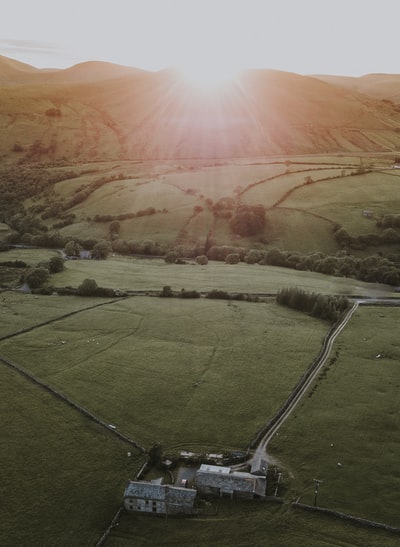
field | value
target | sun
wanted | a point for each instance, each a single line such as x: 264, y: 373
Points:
x: 209, y: 74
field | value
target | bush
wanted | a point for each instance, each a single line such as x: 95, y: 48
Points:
x: 36, y: 277
x: 88, y: 287
x: 202, y: 260
x: 166, y: 292
x: 56, y: 264
x: 233, y: 258
x: 171, y: 257
x: 248, y: 220
x: 101, y: 250
x: 189, y: 294
x: 216, y: 293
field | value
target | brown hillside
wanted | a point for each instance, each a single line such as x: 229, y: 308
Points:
x: 90, y: 112
x: 379, y: 86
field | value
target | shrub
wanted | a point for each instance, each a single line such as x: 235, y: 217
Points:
x: 56, y: 264
x: 189, y: 294
x: 166, y: 292
x: 202, y: 260
x: 248, y: 220
x: 171, y: 257
x: 36, y: 277
x: 88, y: 287
x: 216, y: 293
x: 253, y: 256
x: 101, y: 250
x: 233, y: 258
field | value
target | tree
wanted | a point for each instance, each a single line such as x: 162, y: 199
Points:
x: 166, y: 292
x: 101, y: 250
x: 248, y: 220
x: 88, y: 287
x: 72, y: 248
x: 253, y: 256
x: 115, y: 227
x: 56, y: 264
x: 232, y: 258
x: 202, y: 260
x: 36, y: 277
x: 171, y: 257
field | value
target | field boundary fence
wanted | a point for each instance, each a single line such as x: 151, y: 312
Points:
x: 346, y: 516
x: 110, y: 427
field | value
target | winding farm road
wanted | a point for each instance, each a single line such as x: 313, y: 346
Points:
x: 260, y: 451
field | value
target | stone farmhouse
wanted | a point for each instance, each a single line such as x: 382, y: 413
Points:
x: 220, y: 481
x: 155, y: 497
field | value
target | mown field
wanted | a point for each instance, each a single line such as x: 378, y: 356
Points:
x: 346, y: 432
x: 173, y: 370
x: 62, y: 476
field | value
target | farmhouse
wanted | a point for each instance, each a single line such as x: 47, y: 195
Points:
x: 155, y: 497
x: 218, y: 480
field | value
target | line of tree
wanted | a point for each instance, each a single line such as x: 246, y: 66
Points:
x: 373, y: 269
x: 326, y: 307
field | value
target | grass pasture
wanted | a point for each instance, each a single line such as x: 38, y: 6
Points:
x: 32, y: 257
x: 19, y: 311
x: 180, y: 186
x: 248, y: 525
x: 62, y: 476
x: 172, y: 370
x: 146, y: 274
x: 343, y: 200
x: 270, y: 191
x: 351, y: 419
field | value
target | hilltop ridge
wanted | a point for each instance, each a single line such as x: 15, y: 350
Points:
x: 98, y: 110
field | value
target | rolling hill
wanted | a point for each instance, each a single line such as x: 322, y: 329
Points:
x: 97, y: 111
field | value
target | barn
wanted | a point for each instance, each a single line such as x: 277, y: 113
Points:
x: 156, y: 497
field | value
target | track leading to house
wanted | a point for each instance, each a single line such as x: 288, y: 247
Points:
x: 260, y: 443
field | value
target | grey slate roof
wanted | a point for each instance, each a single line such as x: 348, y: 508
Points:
x: 160, y: 492
x: 230, y: 482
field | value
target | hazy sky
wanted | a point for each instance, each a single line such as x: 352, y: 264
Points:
x: 346, y: 37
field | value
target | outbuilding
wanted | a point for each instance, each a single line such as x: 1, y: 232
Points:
x: 222, y: 481
x: 156, y: 497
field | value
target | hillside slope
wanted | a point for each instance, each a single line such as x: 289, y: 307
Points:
x: 102, y: 111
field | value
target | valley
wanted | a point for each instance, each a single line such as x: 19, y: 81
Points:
x: 145, y: 233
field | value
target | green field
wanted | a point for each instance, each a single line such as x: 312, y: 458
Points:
x: 248, y: 525
x: 344, y: 200
x: 62, y: 476
x: 351, y: 419
x: 299, y: 220
x: 171, y: 370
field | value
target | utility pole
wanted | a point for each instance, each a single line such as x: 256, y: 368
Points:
x: 317, y: 483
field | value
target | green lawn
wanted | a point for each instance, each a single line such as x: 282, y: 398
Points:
x: 62, y: 476
x: 351, y: 419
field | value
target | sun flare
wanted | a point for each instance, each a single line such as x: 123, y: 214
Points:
x: 208, y: 76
